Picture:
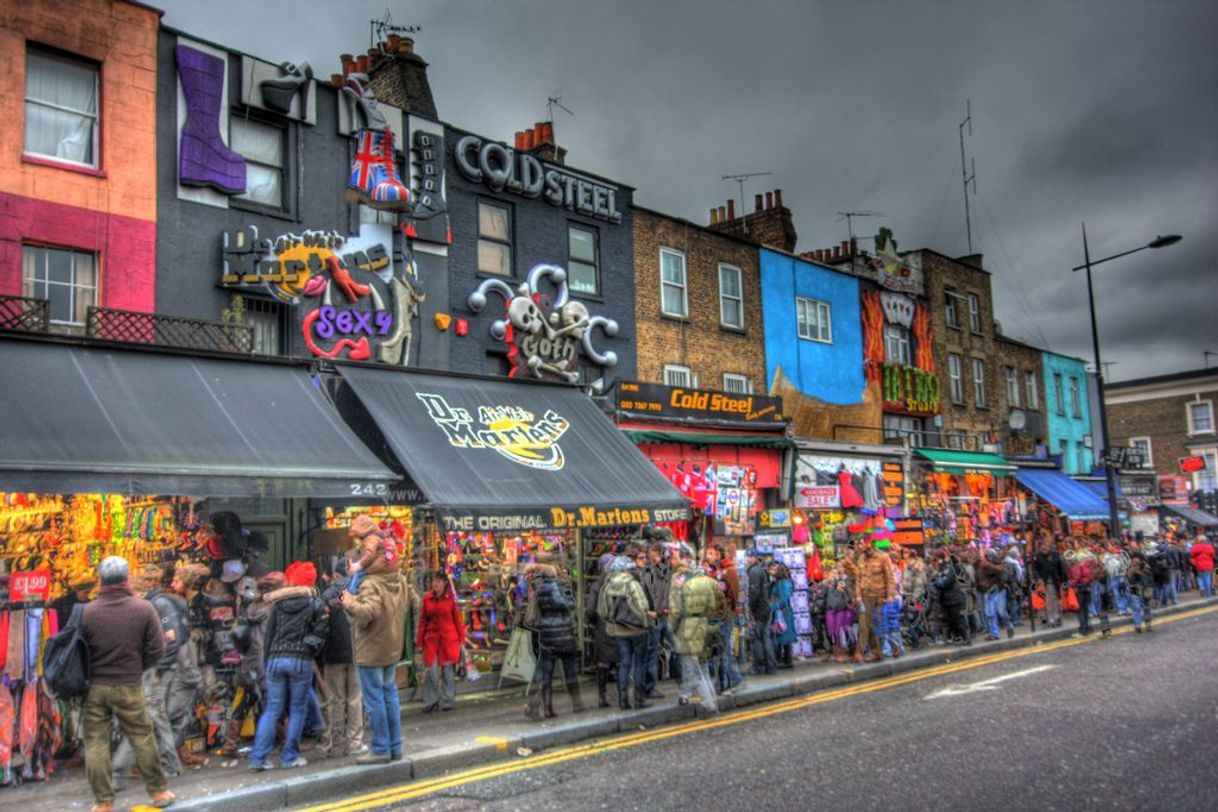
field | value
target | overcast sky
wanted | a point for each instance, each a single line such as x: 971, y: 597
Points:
x: 1103, y: 111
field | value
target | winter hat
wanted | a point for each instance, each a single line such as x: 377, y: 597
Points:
x: 362, y: 525
x: 272, y: 581
x: 602, y: 563
x: 620, y: 563
x: 751, y: 553
x: 684, y: 550
x: 301, y: 573
x: 233, y: 571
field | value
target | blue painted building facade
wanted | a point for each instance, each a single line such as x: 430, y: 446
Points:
x: 1068, y: 412
x: 813, y: 333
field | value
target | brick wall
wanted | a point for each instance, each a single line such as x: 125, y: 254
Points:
x: 401, y: 80
x: 943, y: 274
x: 1164, y: 420
x: 699, y: 342
x: 769, y: 224
x: 1023, y: 359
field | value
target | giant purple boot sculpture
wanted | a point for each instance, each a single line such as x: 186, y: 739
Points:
x: 203, y: 159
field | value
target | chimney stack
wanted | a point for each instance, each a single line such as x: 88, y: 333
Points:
x: 769, y: 200
x: 731, y: 209
x: 757, y: 202
x: 778, y: 197
x: 714, y: 216
x: 397, y: 76
x: 769, y: 223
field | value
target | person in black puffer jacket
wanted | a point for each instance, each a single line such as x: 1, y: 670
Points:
x: 556, y: 637
x: 296, y: 632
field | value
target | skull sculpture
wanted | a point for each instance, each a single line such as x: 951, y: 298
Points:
x: 525, y: 315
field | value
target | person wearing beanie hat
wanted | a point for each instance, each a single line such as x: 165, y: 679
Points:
x: 622, y: 604
x: 296, y: 632
x: 696, y: 605
x: 377, y: 552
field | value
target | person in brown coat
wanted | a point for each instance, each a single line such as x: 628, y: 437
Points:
x: 124, y: 637
x: 874, y: 585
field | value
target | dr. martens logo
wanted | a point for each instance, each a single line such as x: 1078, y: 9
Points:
x: 514, y: 432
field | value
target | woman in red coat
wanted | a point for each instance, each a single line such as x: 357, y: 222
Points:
x: 440, y: 636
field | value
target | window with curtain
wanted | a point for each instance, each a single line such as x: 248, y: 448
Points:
x: 974, y: 313
x: 262, y: 147
x: 1076, y: 403
x: 1058, y: 396
x: 1012, y: 387
x: 954, y: 374
x: 67, y: 279
x: 731, y: 297
x: 673, y: 301
x: 582, y: 274
x: 494, y: 238
x: 1032, y: 391
x: 896, y: 344
x: 979, y: 382
x: 1201, y: 417
x: 60, y: 107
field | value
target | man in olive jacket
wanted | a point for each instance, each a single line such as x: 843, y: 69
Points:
x: 694, y: 602
x: 378, y: 614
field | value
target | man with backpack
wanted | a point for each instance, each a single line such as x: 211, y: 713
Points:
x: 623, y: 607
x: 124, y: 638
x: 696, y: 606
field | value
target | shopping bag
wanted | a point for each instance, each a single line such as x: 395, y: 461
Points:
x: 1070, y: 602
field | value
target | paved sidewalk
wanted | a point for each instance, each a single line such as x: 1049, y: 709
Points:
x: 485, y: 730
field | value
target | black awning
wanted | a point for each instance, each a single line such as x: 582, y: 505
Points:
x: 83, y: 419
x: 499, y: 454
x: 1196, y: 516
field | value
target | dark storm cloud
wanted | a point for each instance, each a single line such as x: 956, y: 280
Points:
x: 1100, y: 111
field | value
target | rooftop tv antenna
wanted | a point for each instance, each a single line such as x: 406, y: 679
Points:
x: 968, y: 170
x: 740, y: 179
x: 556, y: 101
x: 849, y: 216
x: 379, y: 29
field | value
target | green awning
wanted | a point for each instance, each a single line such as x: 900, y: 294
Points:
x: 966, y: 462
x: 699, y: 438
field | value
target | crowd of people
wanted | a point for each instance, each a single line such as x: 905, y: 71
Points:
x: 323, y: 653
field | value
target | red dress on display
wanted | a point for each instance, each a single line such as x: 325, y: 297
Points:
x: 851, y: 498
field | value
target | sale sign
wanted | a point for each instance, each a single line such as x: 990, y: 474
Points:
x: 818, y: 496
x: 30, y: 585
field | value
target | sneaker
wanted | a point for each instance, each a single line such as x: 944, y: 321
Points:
x: 260, y: 766
x: 372, y: 758
x: 1010, y: 633
x: 299, y: 761
x: 654, y: 694
x: 162, y: 799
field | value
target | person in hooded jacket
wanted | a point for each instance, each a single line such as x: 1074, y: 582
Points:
x: 1201, y: 555
x: 1141, y: 583
x: 946, y: 583
x: 344, y: 733
x: 694, y: 603
x: 781, y: 590
x: 604, y: 647
x: 296, y: 632
x: 439, y: 636
x: 556, y: 640
x: 628, y: 627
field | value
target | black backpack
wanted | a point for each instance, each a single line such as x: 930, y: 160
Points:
x: 65, y: 659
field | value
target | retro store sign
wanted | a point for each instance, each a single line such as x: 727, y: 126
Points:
x: 656, y: 400
x: 515, y: 433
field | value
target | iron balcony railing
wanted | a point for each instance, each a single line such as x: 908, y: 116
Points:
x: 25, y: 315
x: 133, y: 327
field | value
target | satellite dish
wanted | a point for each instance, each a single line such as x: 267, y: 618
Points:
x: 1018, y: 420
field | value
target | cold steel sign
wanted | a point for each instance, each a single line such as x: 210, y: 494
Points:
x: 699, y: 405
x: 506, y: 170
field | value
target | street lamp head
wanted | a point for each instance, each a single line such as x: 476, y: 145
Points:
x: 1159, y: 242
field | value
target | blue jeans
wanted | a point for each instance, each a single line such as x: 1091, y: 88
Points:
x: 287, y: 687
x: 353, y: 584
x: 1205, y: 584
x: 996, y: 609
x: 315, y: 720
x: 655, y: 636
x: 764, y: 657
x: 379, y: 689
x: 1140, y: 608
x: 1120, y: 598
x: 632, y: 662
x: 729, y: 675
x: 1097, y: 597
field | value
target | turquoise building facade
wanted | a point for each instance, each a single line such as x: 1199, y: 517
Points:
x: 1068, y: 412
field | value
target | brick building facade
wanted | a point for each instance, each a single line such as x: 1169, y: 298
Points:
x: 1020, y: 407
x: 719, y: 339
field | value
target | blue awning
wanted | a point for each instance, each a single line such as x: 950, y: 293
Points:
x: 1099, y: 487
x: 1071, y: 498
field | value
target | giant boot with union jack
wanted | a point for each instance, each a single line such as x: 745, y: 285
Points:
x: 374, y: 175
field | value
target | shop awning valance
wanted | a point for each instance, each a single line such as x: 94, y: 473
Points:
x: 77, y: 419
x: 1071, y: 498
x: 1196, y: 516
x: 966, y: 462
x: 705, y: 438
x: 500, y: 454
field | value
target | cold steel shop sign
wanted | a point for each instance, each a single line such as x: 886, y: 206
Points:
x: 698, y: 405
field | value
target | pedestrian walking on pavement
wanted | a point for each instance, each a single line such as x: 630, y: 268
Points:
x: 439, y: 636
x: 622, y: 604
x: 656, y: 578
x: 1050, y: 568
x: 761, y: 614
x: 991, y: 582
x: 556, y: 638
x: 1202, y: 558
x: 1141, y: 584
x: 783, y: 624
x: 604, y: 647
x: 344, y: 708
x: 124, y: 637
x: 379, y: 614
x: 693, y: 604
x: 296, y: 633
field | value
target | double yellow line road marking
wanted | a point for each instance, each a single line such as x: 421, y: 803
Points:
x: 562, y: 755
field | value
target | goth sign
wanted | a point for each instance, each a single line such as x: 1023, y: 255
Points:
x: 503, y: 169
x: 699, y: 405
x: 541, y: 344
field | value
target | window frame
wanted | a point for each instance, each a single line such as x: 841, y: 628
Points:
x: 1076, y: 401
x: 1210, y: 472
x: 1031, y: 390
x: 974, y: 314
x: 683, y: 285
x: 96, y: 144
x: 595, y: 264
x: 1149, y: 452
x: 245, y: 117
x: 904, y: 344
x: 1013, y: 398
x: 691, y: 379
x: 509, y: 241
x: 1080, y: 458
x: 745, y: 380
x: 955, y: 375
x: 816, y: 305
x: 978, y: 377
x: 951, y: 310
x: 28, y: 283
x: 1192, y: 425
x: 1059, y: 394
x: 739, y: 298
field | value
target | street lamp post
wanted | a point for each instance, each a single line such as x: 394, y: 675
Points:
x: 1114, y: 525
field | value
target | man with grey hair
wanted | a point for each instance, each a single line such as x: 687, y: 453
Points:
x: 124, y: 636
x: 695, y: 605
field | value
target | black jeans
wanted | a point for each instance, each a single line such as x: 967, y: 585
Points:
x: 1083, y: 593
x: 570, y: 667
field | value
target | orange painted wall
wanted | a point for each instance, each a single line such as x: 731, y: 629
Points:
x: 121, y: 37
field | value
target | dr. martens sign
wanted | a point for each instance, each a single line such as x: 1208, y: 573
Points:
x: 698, y: 405
x: 505, y: 170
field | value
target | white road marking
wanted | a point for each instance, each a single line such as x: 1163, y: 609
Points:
x: 985, y: 685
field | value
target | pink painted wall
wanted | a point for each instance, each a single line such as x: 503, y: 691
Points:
x: 127, y: 247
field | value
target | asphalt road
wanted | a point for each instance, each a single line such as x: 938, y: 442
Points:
x: 1126, y: 723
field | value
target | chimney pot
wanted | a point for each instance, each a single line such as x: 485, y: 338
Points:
x: 731, y: 209
x: 406, y: 46
x: 769, y: 200
x: 723, y: 214
x: 539, y: 134
x: 778, y: 197
x: 395, y: 40
x: 520, y: 141
x: 348, y: 63
x: 819, y: 254
x: 845, y: 252
x: 361, y: 64
x: 757, y: 202
x: 714, y: 216
x: 547, y: 130
x: 336, y: 79
x: 837, y: 252
x: 854, y: 246
x: 529, y: 141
